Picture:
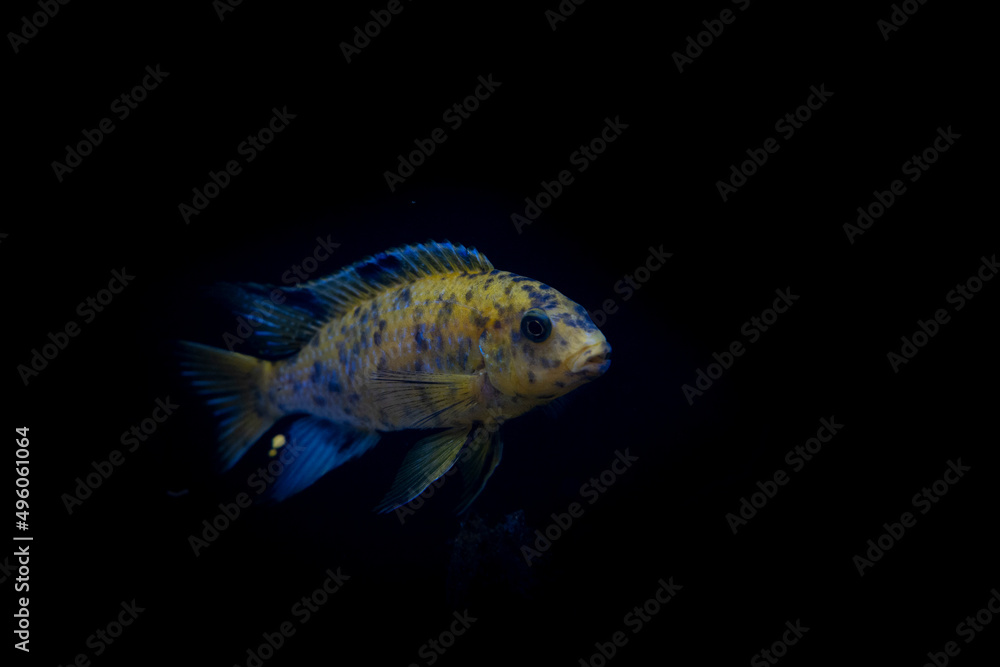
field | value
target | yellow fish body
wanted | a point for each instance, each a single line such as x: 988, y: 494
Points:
x: 425, y: 336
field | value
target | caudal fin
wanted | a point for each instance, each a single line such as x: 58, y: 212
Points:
x: 234, y: 386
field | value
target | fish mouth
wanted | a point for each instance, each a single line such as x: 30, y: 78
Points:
x: 592, y: 360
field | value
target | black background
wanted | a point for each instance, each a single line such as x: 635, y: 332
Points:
x: 655, y: 186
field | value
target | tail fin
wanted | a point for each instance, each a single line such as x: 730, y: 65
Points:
x: 234, y: 383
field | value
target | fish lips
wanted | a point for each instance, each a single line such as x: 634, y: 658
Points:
x: 592, y: 360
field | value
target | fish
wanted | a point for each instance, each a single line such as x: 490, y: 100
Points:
x: 425, y: 336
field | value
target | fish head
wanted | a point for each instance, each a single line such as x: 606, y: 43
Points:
x: 543, y: 345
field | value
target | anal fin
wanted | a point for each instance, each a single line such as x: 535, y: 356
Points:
x: 313, y: 447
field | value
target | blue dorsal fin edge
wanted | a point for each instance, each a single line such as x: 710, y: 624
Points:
x: 361, y: 280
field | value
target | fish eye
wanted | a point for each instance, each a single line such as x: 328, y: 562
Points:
x: 536, y: 325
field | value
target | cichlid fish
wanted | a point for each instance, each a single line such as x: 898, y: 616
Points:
x: 428, y: 336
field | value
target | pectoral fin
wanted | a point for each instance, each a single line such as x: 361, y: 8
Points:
x: 423, y: 400
x: 430, y: 458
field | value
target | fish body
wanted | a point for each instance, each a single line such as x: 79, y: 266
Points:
x: 429, y: 336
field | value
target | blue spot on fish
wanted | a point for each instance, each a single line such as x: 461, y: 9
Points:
x: 418, y: 338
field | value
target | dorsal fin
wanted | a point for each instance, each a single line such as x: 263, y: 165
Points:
x: 270, y: 329
x: 282, y: 329
x: 341, y: 291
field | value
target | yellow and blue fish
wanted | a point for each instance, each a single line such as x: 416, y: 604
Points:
x: 427, y: 336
